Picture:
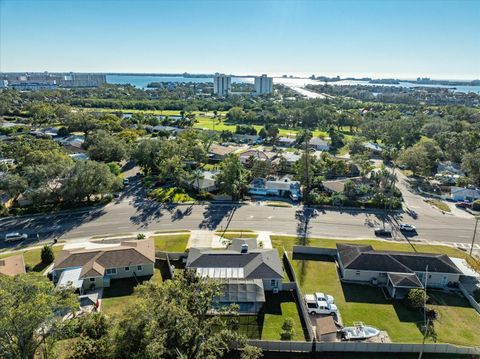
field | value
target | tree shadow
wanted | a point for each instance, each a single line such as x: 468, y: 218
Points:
x: 303, y: 217
x: 214, y: 215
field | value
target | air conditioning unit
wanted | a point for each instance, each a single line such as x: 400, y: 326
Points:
x: 275, y: 290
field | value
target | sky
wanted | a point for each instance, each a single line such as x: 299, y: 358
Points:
x: 376, y: 38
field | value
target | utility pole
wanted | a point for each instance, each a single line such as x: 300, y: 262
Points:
x: 425, y: 320
x: 307, y: 175
x: 474, y: 233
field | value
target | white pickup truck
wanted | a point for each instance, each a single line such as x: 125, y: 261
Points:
x: 315, y: 306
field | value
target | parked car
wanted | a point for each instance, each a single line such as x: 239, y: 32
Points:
x: 319, y: 307
x: 464, y: 204
x: 126, y: 182
x: 15, y: 236
x: 383, y: 232
x: 324, y: 297
x: 407, y: 227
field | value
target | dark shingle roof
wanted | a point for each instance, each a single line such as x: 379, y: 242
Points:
x: 256, y: 264
x: 361, y: 257
x: 409, y: 280
x: 95, y: 261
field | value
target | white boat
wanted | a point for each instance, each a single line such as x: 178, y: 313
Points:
x: 359, y: 331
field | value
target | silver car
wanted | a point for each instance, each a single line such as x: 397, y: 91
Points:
x: 15, y: 236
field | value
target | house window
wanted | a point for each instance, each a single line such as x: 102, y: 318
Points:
x: 273, y: 283
x: 92, y: 279
x: 357, y: 272
x: 382, y: 274
x: 127, y: 269
x: 139, y: 268
x: 112, y: 271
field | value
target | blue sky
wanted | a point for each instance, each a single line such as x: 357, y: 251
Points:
x: 381, y: 38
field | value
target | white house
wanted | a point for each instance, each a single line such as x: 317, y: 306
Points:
x: 464, y: 194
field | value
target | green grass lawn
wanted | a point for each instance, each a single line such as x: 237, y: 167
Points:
x: 232, y: 235
x: 120, y: 294
x: 268, y: 325
x: 171, y: 195
x: 289, y: 241
x: 439, y: 204
x: 32, y: 258
x: 171, y: 243
x: 356, y: 302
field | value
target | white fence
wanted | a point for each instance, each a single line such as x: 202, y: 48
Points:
x: 472, y: 300
x: 290, y: 346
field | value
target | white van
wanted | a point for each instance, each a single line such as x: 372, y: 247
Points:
x: 13, y: 237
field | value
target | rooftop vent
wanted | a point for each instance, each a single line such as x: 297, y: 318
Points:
x: 244, y: 248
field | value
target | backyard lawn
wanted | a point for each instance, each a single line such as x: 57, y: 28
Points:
x: 171, y: 243
x: 120, y: 294
x: 268, y: 325
x: 32, y: 258
x: 457, y: 322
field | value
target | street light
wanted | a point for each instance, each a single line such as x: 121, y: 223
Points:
x: 474, y: 233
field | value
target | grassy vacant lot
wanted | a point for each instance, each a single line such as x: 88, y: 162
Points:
x: 267, y: 326
x: 171, y: 243
x: 289, y: 241
x: 32, y: 258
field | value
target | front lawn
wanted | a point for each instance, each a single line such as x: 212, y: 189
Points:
x: 171, y: 243
x: 171, y: 195
x: 457, y: 322
x: 439, y: 204
x: 232, y: 235
x: 289, y: 241
x: 32, y: 258
x: 268, y: 325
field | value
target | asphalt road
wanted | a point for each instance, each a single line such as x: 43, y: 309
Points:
x: 133, y: 213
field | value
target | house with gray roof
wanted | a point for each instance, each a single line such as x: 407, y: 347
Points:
x: 318, y: 144
x: 464, y: 194
x: 397, y: 271
x: 86, y: 269
x: 244, y: 270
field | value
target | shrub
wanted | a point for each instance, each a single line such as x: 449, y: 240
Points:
x: 416, y: 298
x: 114, y: 168
x: 287, y: 329
x: 47, y: 255
x: 476, y: 205
x: 140, y: 236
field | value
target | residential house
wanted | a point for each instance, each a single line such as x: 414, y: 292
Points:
x: 247, y: 156
x: 285, y: 141
x: 464, y: 194
x: 318, y: 144
x: 6, y: 200
x: 86, y: 269
x: 73, y: 143
x: 218, y: 152
x: 168, y: 129
x: 397, y: 271
x: 283, y: 187
x: 12, y: 266
x: 244, y: 270
x: 206, y: 183
x: 289, y: 158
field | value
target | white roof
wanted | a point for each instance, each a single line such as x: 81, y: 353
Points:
x: 71, y: 278
x: 221, y: 272
x: 463, y: 266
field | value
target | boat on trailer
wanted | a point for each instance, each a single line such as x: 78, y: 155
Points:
x: 359, y: 331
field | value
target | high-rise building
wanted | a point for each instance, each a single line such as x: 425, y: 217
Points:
x: 263, y: 85
x: 221, y: 84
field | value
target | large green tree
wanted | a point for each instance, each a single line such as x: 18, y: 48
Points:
x: 232, y: 177
x: 31, y: 311
x: 174, y: 320
x: 101, y: 146
x: 88, y: 178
